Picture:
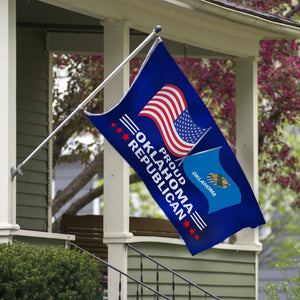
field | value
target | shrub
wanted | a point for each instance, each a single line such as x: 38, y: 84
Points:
x: 29, y: 272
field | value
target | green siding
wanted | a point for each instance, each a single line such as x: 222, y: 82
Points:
x: 40, y: 242
x: 32, y: 128
x: 228, y: 274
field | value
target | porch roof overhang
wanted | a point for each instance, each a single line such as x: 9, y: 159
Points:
x: 215, y: 25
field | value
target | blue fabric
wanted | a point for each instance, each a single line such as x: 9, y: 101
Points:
x: 203, y: 192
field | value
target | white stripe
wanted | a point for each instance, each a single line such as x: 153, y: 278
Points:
x: 127, y: 126
x: 132, y: 123
x: 195, y: 221
x: 197, y: 215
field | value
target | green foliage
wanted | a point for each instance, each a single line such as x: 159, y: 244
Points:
x: 29, y: 272
x: 278, y: 206
x: 141, y: 202
x: 283, y: 225
x: 290, y: 287
x: 79, y: 76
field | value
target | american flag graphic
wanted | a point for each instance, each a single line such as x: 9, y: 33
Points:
x: 168, y: 109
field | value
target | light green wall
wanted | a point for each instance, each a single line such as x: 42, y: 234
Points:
x: 41, y: 242
x: 32, y: 128
x: 228, y: 274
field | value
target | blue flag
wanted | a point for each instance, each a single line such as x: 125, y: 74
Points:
x: 205, y: 171
x: 165, y: 132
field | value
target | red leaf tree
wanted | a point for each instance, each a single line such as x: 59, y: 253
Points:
x: 214, y: 79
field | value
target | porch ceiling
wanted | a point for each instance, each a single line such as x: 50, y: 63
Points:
x: 199, y: 23
x: 66, y: 27
x: 36, y: 13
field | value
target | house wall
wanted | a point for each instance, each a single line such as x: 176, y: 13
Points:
x: 228, y: 274
x: 32, y: 128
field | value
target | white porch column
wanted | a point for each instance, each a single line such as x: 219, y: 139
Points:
x: 247, y: 130
x: 247, y: 138
x: 7, y: 118
x: 116, y: 170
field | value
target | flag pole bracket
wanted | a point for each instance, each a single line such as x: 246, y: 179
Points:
x: 14, y: 172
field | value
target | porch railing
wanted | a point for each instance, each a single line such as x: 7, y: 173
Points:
x: 140, y: 285
x: 174, y: 275
x: 138, y: 282
x: 89, y: 238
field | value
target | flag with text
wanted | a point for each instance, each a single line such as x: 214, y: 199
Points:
x: 162, y: 128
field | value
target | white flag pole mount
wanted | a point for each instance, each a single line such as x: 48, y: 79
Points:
x: 155, y: 31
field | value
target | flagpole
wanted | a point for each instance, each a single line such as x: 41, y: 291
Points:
x: 155, y: 31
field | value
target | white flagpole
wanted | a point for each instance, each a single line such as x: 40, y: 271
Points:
x: 154, y: 32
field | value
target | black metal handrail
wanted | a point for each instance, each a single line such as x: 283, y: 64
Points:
x: 122, y: 273
x: 174, y: 274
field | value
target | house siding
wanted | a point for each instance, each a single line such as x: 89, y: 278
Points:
x: 32, y: 128
x: 228, y: 274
